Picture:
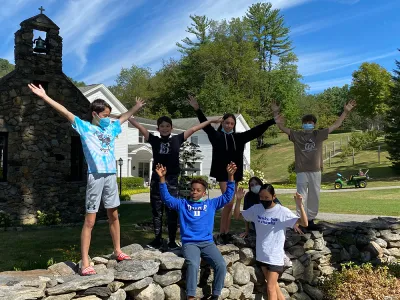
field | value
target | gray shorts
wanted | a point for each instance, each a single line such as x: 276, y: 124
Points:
x: 101, y: 187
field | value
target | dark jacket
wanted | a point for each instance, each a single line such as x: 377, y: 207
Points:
x: 229, y: 147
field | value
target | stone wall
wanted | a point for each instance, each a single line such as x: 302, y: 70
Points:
x: 155, y: 275
x: 39, y: 139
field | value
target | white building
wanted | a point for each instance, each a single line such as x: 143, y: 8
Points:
x: 137, y: 154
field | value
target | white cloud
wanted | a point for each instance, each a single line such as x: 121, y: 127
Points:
x: 321, y: 62
x: 82, y: 22
x: 172, y: 30
x: 321, y: 85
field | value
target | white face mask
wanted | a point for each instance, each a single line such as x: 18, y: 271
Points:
x: 255, y: 189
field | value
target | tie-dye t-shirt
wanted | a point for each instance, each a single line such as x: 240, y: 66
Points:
x: 98, y: 145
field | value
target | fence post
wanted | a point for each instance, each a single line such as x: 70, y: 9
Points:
x: 330, y: 157
x: 340, y: 143
x: 348, y: 140
x: 334, y: 146
x: 353, y: 157
x: 326, y: 151
x: 379, y: 154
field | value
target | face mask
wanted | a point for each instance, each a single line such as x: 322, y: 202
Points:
x: 255, y: 189
x: 223, y: 130
x: 308, y: 126
x: 104, y: 122
x: 266, y: 204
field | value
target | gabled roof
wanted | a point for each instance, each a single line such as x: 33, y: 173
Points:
x: 90, y: 89
x: 41, y: 21
x: 86, y: 88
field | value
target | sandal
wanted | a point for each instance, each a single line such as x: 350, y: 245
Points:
x: 122, y: 256
x: 87, y: 271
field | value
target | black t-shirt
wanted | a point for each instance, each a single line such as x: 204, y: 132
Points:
x: 166, y: 152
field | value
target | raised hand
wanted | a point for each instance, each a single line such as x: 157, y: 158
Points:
x: 37, y: 90
x: 161, y: 170
x: 298, y: 199
x: 297, y: 229
x: 350, y: 105
x: 193, y: 102
x: 275, y: 107
x: 240, y: 193
x: 140, y: 103
x: 231, y: 168
x: 219, y: 120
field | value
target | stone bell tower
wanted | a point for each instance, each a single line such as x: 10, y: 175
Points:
x: 34, y: 56
x: 41, y: 160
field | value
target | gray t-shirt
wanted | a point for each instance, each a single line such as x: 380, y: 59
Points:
x: 308, y: 149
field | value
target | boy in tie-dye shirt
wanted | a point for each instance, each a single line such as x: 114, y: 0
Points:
x: 98, y: 137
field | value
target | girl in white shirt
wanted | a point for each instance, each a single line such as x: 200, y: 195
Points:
x: 271, y: 221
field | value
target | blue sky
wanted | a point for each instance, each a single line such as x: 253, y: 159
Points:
x: 331, y: 37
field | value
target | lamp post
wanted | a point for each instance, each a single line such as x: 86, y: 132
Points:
x: 120, y: 162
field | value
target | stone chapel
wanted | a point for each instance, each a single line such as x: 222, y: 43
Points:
x: 41, y: 161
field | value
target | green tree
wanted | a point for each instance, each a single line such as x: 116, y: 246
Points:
x: 5, y: 67
x: 77, y: 83
x: 392, y: 127
x: 371, y: 88
x: 199, y: 27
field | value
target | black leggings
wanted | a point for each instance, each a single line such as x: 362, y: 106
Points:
x: 157, y: 206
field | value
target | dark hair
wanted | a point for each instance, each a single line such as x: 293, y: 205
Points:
x: 226, y: 116
x: 309, y: 118
x: 98, y: 106
x: 259, y: 181
x: 270, y: 189
x: 200, y: 181
x: 164, y: 119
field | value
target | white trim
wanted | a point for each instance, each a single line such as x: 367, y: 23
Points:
x: 144, y: 147
x: 108, y: 93
x: 242, y: 119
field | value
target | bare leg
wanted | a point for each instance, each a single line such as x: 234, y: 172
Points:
x: 86, y: 236
x: 113, y: 222
x: 226, y: 213
x: 273, y: 290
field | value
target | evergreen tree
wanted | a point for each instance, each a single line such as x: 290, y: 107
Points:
x: 392, y: 128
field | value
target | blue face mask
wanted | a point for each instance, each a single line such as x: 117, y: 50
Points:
x: 223, y: 130
x: 104, y: 122
x: 308, y: 126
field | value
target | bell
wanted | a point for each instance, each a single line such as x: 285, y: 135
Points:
x: 40, y: 45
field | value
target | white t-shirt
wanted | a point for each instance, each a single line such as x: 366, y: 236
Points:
x: 271, y: 226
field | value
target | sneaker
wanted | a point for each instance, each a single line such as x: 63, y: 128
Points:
x: 173, y: 246
x: 228, y: 238
x: 219, y: 239
x: 155, y: 244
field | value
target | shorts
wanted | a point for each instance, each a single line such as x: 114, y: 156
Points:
x: 271, y: 268
x: 101, y: 187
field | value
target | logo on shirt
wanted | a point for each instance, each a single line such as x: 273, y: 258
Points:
x: 105, y: 141
x: 309, y: 146
x: 196, y: 210
x: 165, y: 148
x: 266, y: 220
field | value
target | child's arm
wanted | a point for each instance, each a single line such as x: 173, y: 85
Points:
x: 57, y: 106
x: 303, y: 221
x: 280, y: 122
x: 192, y: 130
x: 347, y: 109
x: 140, y: 127
x: 170, y: 201
x: 226, y: 197
x: 134, y: 109
x: 239, y: 196
x: 200, y: 115
x: 256, y: 131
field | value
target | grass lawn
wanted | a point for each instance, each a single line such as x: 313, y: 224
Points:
x: 275, y: 160
x: 32, y: 248
x: 383, y: 202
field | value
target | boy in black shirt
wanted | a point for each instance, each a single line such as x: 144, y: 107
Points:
x: 166, y: 152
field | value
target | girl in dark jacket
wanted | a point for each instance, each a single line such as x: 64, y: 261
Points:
x: 228, y: 145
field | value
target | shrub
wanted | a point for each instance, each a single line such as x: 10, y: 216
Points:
x: 49, y: 218
x: 247, y: 174
x: 291, y: 168
x: 131, y: 182
x: 5, y: 219
x: 292, y: 177
x: 72, y: 254
x: 365, y: 282
x: 126, y: 194
x: 362, y: 140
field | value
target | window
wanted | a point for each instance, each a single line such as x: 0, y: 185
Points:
x: 77, y: 159
x: 40, y: 45
x: 194, y: 140
x: 3, y: 155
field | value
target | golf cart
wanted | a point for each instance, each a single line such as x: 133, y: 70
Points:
x: 358, y: 181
